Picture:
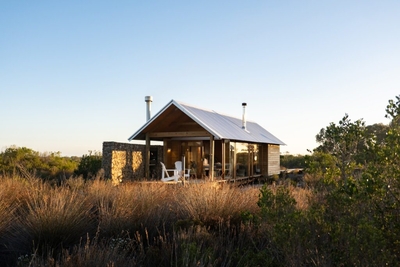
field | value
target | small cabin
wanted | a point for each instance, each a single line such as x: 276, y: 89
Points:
x: 209, y: 143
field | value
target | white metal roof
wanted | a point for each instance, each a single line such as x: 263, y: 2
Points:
x: 220, y: 126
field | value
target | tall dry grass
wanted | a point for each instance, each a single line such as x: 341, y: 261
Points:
x: 14, y: 195
x: 56, y: 218
x: 90, y: 253
x: 93, y: 223
x: 129, y: 207
x: 211, y: 204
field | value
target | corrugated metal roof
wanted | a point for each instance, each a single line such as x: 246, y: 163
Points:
x: 221, y: 126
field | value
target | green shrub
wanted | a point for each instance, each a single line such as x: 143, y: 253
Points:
x: 89, y: 165
x: 28, y: 163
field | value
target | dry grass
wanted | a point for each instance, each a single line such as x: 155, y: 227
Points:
x: 56, y: 218
x: 93, y: 223
x: 302, y: 196
x: 79, y: 223
x: 213, y: 204
x: 128, y: 206
x: 89, y: 254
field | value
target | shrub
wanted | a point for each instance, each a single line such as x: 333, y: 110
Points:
x: 25, y: 162
x: 89, y: 165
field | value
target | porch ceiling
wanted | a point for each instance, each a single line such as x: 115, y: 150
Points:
x: 172, y: 123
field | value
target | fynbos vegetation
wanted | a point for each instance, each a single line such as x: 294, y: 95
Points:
x: 25, y: 162
x: 347, y: 214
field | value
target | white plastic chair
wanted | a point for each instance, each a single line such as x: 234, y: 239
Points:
x: 165, y: 175
x: 185, y: 173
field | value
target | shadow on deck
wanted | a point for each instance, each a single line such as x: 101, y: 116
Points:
x: 220, y: 180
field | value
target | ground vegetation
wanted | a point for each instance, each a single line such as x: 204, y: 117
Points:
x: 344, y: 215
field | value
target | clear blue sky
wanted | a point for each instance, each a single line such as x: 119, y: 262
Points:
x: 74, y: 74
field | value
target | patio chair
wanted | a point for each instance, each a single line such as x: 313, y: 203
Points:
x: 178, y: 166
x: 165, y: 175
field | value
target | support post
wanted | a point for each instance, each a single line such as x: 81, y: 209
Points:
x: 183, y: 169
x: 211, y: 162
x: 147, y: 158
x: 223, y: 160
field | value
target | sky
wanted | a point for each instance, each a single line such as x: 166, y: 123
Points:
x: 74, y: 74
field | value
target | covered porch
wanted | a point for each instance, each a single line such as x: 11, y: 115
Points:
x: 217, y: 159
x: 211, y: 145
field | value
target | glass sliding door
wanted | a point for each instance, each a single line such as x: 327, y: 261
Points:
x: 229, y: 159
x: 193, y: 157
x: 242, y: 159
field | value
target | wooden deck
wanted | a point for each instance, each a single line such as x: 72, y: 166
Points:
x: 219, y: 180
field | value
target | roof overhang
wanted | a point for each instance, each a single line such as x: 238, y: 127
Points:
x: 204, y: 132
x: 180, y: 121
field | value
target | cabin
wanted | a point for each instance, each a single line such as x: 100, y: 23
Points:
x: 210, y: 144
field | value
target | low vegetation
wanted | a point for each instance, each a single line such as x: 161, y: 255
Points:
x: 346, y: 213
x: 51, y: 166
x: 92, y: 223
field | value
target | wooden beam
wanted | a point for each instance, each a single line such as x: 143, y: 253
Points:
x: 147, y: 158
x: 223, y: 159
x: 211, y: 162
x: 188, y: 123
x: 179, y: 134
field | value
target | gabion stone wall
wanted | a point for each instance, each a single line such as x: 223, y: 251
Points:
x: 274, y: 161
x: 125, y: 162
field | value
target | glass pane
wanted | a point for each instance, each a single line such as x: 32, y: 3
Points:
x: 242, y: 159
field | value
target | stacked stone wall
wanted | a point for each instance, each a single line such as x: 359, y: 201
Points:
x: 126, y: 162
x: 274, y: 159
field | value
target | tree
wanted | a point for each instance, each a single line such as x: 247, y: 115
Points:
x: 378, y: 130
x: 380, y: 182
x: 348, y: 142
x: 292, y: 161
x: 321, y: 167
x: 387, y: 160
x: 89, y: 165
x: 14, y: 158
x: 27, y: 162
x: 393, y: 112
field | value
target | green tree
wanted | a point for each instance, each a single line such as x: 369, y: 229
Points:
x: 386, y: 162
x: 321, y: 167
x: 360, y: 218
x: 378, y: 130
x: 55, y: 165
x: 15, y: 159
x: 393, y: 112
x: 89, y: 165
x: 292, y: 161
x: 348, y: 142
x: 27, y: 162
x: 371, y: 205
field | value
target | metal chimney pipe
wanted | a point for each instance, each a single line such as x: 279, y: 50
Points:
x: 244, y: 116
x: 148, y: 100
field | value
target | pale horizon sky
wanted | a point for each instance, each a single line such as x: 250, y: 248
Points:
x: 74, y: 74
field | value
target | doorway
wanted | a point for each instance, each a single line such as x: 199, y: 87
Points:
x: 192, y: 154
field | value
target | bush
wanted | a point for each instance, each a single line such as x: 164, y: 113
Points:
x: 28, y: 163
x: 89, y: 165
x: 293, y: 161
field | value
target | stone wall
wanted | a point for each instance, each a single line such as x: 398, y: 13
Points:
x: 126, y: 162
x: 274, y: 160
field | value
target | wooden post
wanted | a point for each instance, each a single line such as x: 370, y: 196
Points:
x: 211, y: 162
x: 249, y: 164
x: 147, y: 158
x: 223, y: 160
x: 234, y: 163
x: 183, y: 169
